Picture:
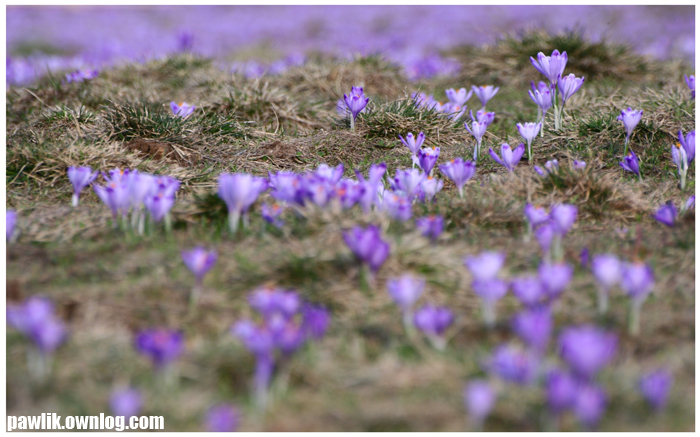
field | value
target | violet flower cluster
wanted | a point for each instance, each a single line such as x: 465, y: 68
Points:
x: 552, y: 67
x: 550, y: 228
x: 139, y: 192
x: 286, y: 325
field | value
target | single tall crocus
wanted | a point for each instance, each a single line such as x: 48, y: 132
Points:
x: 222, y: 418
x: 535, y: 216
x: 484, y: 269
x: 688, y: 143
x: 478, y: 130
x: 239, y: 191
x: 637, y: 281
x: 589, y: 405
x: 426, y: 159
x: 405, y: 291
x: 528, y: 289
x: 513, y: 364
x: 629, y: 118
x: 607, y: 270
x: 485, y: 93
x: 368, y: 246
x: 199, y: 261
x: 161, y: 346
x: 555, y: 277
x: 655, y: 387
x: 587, y: 349
x: 10, y: 222
x: 479, y: 398
x: 568, y: 85
x: 80, y: 177
x: 433, y: 322
x: 529, y: 131
x: 543, y: 99
x: 680, y: 158
x: 125, y: 402
x: 534, y: 327
x: 666, y: 214
x: 356, y: 102
x: 458, y: 98
x: 182, y: 109
x: 459, y: 172
x: 35, y: 318
x: 553, y: 68
x: 509, y: 157
x: 631, y: 164
x: 413, y: 143
x: 690, y: 81
x: 430, y: 226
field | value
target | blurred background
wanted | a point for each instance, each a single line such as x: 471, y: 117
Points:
x: 256, y: 40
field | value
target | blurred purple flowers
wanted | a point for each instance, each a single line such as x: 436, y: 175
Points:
x: 36, y: 319
x: 655, y: 387
x: 587, y: 349
x: 485, y: 93
x: 459, y: 172
x: 239, y: 191
x: 430, y: 226
x: 10, y: 222
x: 80, y: 177
x: 161, y: 346
x: 666, y: 214
x: 509, y: 157
x: 182, y: 109
x: 81, y: 75
x: 479, y: 398
x: 125, y: 402
x: 433, y: 321
x: 368, y: 246
x: 690, y: 81
x: 222, y: 418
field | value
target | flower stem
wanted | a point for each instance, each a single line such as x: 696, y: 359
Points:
x: 233, y: 219
x: 489, y: 314
x: 634, y: 315
x: 602, y: 301
x: 352, y: 123
x: 263, y: 374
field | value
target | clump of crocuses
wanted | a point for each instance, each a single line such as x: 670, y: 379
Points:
x: 552, y: 67
x: 356, y: 102
x: 368, y: 246
x: 36, y: 319
x: 239, y: 191
x: 285, y: 325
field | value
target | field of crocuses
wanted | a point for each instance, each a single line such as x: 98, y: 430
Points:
x: 374, y: 235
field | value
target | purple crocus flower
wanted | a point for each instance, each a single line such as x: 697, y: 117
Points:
x: 631, y: 164
x: 367, y: 245
x: 689, y: 204
x: 688, y: 143
x: 270, y: 301
x: 543, y: 99
x: 680, y: 157
x: 405, y: 291
x: 561, y: 389
x: 535, y: 215
x: 479, y: 398
x: 430, y: 187
x: 222, y: 418
x: 314, y: 321
x: 161, y: 346
x: 555, y: 278
x: 486, y: 265
x: 408, y: 181
x: 159, y: 206
x: 36, y: 319
x: 666, y: 214
x: 199, y: 261
x: 528, y: 290
x: 413, y: 143
x: 545, y: 234
x: 513, y: 364
x: 655, y: 387
x: 433, y: 322
x: 563, y: 217
x: 551, y: 66
x: 637, y: 282
x: 607, y: 270
x: 81, y: 75
x: 182, y: 109
x: 482, y: 116
x: 115, y: 195
x: 490, y: 291
x: 125, y: 402
x: 356, y: 102
x: 426, y: 158
x: 260, y: 342
x: 509, y: 157
x: 485, y: 93
x: 589, y: 405
x: 579, y: 165
x: 330, y: 174
x: 459, y: 172
x: 690, y: 81
x: 397, y: 206
x: 568, y: 85
x: 529, y: 132
x: 478, y: 130
x: 534, y: 327
x: 10, y: 222
x: 430, y: 226
x: 458, y: 98
x: 587, y: 349
x: 271, y: 214
x: 80, y: 177
x: 629, y: 118
x: 239, y: 191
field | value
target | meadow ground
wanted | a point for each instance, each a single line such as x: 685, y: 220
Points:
x: 365, y: 375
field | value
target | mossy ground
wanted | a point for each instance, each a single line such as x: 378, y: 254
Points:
x: 365, y: 375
